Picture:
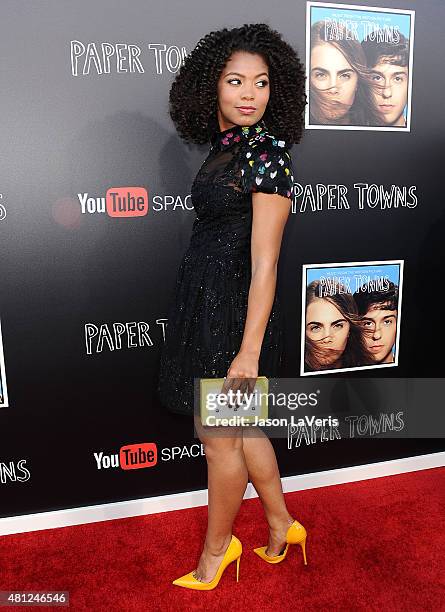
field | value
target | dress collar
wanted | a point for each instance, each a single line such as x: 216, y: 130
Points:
x: 225, y: 139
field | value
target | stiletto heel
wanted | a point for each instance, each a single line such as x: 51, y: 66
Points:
x: 296, y: 534
x: 233, y: 553
x: 303, y: 547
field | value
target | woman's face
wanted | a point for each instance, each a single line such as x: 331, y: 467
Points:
x: 326, y: 325
x: 244, y: 82
x: 334, y: 79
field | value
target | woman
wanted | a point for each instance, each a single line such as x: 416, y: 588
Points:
x: 341, y: 91
x: 335, y: 337
x: 242, y: 90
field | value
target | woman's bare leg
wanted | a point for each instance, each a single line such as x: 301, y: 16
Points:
x: 227, y: 482
x: 263, y: 472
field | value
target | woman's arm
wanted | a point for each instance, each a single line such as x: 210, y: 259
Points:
x: 270, y: 213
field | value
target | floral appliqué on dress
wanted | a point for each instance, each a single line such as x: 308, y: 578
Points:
x: 267, y: 163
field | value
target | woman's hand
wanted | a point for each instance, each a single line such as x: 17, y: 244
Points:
x: 242, y: 373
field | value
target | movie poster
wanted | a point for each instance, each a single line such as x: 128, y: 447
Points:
x: 350, y: 316
x: 3, y: 390
x: 359, y: 61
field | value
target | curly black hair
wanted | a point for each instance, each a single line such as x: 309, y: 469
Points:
x: 193, y: 94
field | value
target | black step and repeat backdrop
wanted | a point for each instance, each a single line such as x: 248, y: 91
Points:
x: 96, y: 213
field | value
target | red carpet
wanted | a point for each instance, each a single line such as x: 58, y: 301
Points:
x: 372, y: 545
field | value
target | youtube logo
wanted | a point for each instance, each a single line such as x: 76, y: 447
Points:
x: 136, y: 456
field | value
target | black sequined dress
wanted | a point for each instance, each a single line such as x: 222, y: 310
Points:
x: 207, y: 315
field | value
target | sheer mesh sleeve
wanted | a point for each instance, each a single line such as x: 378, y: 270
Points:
x: 267, y: 167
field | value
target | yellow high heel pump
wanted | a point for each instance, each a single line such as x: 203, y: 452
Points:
x: 296, y: 534
x: 233, y: 553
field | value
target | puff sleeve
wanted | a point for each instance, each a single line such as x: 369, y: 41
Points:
x: 267, y: 167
